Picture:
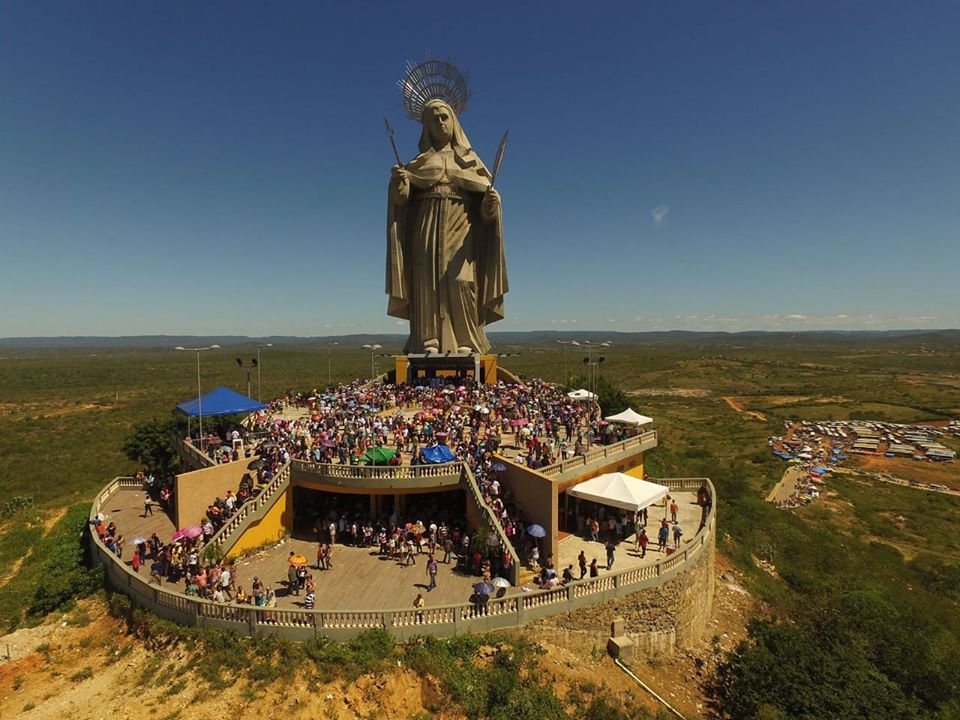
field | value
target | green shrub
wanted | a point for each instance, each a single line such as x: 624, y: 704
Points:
x: 64, y: 574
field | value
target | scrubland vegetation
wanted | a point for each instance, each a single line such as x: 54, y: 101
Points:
x: 860, y: 590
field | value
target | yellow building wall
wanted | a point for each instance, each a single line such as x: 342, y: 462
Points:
x: 276, y: 524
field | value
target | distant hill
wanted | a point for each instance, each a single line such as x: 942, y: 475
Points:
x: 895, y: 338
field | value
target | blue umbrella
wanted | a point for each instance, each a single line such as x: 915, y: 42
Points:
x: 483, y: 588
x: 536, y: 531
x: 498, y: 467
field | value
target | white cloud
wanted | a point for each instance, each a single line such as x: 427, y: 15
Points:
x: 796, y: 317
x: 659, y: 214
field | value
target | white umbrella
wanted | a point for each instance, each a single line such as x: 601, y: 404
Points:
x: 500, y: 582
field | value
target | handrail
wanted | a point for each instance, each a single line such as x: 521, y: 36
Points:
x: 644, y: 441
x: 473, y: 490
x: 188, y: 449
x: 253, y: 509
x: 511, y: 611
x: 379, y: 472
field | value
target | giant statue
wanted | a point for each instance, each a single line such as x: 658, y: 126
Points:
x: 446, y: 272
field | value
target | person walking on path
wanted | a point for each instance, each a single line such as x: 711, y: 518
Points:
x: 677, y: 534
x: 662, y: 538
x: 447, y: 550
x: 432, y: 572
x: 147, y: 505
x: 674, y: 509
x: 418, y: 606
x: 610, y: 550
x: 293, y: 584
x: 642, y: 541
x: 411, y: 558
x: 594, y: 570
x: 582, y: 562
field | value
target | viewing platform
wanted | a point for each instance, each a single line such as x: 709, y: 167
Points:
x: 362, y: 591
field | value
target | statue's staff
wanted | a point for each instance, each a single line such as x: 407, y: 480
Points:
x: 393, y: 143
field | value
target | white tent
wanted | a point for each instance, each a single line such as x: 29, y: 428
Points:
x: 581, y: 395
x: 620, y: 490
x: 629, y: 417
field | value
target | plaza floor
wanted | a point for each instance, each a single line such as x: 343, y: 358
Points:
x: 360, y: 578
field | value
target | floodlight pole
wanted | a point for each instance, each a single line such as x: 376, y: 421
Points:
x: 372, y: 349
x: 199, y: 392
x: 259, y: 400
x: 330, y: 362
x: 566, y: 344
x: 593, y: 372
x: 254, y: 363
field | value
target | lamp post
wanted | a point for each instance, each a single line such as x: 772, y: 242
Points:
x: 199, y: 393
x: 372, y: 349
x: 258, y: 369
x: 593, y: 367
x: 254, y: 363
x: 566, y: 344
x: 330, y: 362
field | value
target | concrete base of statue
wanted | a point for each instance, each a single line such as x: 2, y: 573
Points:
x: 418, y: 366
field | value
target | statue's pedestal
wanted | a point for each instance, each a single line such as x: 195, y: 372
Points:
x: 414, y: 367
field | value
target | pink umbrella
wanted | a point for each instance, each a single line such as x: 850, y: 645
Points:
x: 193, y: 531
x: 179, y: 535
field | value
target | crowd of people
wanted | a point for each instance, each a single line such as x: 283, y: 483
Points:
x: 474, y: 421
x: 470, y: 418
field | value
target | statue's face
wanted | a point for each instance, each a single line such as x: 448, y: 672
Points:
x: 439, y: 122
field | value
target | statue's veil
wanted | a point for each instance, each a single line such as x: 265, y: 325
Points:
x: 461, y: 144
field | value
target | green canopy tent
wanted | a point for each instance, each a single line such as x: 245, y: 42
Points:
x: 378, y: 456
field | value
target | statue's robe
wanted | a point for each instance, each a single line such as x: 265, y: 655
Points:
x: 446, y: 271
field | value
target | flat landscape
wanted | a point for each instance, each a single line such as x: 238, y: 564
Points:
x: 866, y: 549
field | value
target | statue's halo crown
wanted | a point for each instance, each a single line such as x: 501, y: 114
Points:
x: 433, y: 80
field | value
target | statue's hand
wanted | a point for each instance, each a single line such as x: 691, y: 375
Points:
x: 400, y: 179
x: 491, y: 203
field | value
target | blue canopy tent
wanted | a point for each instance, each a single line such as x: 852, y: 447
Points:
x: 221, y: 401
x: 437, y: 455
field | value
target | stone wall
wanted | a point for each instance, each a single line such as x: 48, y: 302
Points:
x: 660, y: 620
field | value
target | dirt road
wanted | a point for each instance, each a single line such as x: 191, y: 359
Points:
x: 734, y: 404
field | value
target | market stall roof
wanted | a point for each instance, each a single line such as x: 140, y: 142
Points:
x: 620, y: 490
x: 630, y: 417
x: 580, y: 394
x: 437, y: 455
x: 378, y: 456
x: 222, y: 401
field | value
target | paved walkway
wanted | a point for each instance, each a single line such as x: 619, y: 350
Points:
x: 125, y: 508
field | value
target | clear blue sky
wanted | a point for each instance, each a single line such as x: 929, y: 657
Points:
x: 221, y: 167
